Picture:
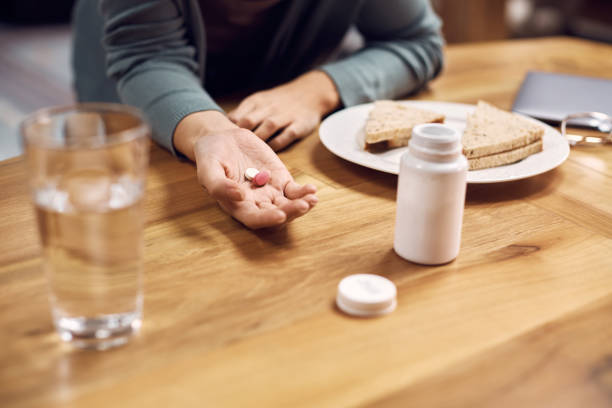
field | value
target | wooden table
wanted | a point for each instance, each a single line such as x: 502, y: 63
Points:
x: 235, y: 318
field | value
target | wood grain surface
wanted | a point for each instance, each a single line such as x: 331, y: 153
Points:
x: 234, y: 318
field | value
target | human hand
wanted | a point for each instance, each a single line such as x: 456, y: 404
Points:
x: 222, y: 158
x: 292, y: 110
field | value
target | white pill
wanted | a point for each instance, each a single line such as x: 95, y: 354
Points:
x: 250, y: 173
x: 366, y: 295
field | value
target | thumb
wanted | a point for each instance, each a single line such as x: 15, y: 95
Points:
x: 211, y: 174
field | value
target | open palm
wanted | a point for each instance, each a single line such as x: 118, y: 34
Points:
x: 222, y: 159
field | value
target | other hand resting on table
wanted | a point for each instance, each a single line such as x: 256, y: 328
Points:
x: 288, y: 112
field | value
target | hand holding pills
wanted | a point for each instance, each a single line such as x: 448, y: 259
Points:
x: 249, y: 181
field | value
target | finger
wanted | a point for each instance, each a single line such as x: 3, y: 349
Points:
x: 254, y: 218
x: 211, y: 175
x: 311, y: 199
x: 288, y: 136
x: 243, y: 108
x: 226, y: 189
x: 270, y: 126
x: 253, y: 118
x: 293, y: 190
x: 293, y: 208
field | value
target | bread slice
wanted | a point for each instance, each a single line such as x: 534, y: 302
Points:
x: 510, y: 156
x: 390, y: 124
x: 490, y: 130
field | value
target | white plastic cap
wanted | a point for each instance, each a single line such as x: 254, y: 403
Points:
x: 435, y: 139
x: 366, y: 295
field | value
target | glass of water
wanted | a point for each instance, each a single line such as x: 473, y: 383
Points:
x: 87, y: 168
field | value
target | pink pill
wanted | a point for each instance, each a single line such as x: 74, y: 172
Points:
x: 261, y: 178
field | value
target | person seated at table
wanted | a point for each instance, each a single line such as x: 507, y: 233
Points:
x: 170, y: 57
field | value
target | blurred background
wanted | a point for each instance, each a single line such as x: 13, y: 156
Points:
x: 35, y: 43
x: 486, y: 20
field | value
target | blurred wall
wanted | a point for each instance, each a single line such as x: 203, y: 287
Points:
x: 472, y: 20
x: 488, y: 20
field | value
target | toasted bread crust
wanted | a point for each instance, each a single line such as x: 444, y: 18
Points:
x: 507, y: 157
x: 392, y: 122
x: 491, y: 130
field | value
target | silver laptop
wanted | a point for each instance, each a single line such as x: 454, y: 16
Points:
x: 550, y: 97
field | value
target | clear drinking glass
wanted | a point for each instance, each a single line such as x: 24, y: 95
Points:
x: 87, y: 168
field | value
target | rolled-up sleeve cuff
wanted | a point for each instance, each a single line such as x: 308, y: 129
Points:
x: 165, y: 114
x: 347, y: 87
x: 360, y: 79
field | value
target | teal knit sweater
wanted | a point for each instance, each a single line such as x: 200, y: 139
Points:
x: 152, y: 54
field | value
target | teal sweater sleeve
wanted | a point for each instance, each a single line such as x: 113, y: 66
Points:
x: 403, y: 50
x: 152, y: 60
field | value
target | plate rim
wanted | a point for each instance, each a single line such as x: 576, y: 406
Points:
x: 560, y: 159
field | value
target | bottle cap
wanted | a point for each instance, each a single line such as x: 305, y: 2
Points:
x: 366, y: 295
x: 435, y: 139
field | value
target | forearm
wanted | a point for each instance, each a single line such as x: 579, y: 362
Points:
x: 154, y: 62
x: 376, y: 73
x: 403, y: 52
x: 319, y: 91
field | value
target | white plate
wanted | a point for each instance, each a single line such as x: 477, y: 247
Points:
x: 343, y: 134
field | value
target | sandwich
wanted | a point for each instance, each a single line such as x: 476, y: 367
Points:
x: 494, y: 137
x: 390, y: 124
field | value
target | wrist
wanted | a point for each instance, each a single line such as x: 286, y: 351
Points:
x: 326, y: 96
x: 197, y: 125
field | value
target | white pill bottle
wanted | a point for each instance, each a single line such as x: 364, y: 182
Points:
x: 431, y: 196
